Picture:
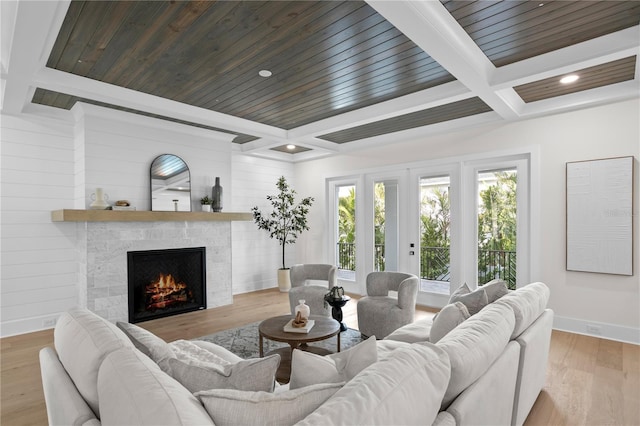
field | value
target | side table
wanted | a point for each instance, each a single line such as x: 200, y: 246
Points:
x: 336, y: 309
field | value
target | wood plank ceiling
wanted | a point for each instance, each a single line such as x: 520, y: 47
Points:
x: 326, y: 57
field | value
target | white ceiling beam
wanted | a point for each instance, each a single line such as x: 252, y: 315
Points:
x: 592, y: 97
x: 430, y: 26
x: 607, y: 48
x: 71, y: 84
x: 418, y: 101
x: 32, y: 28
x: 422, y: 132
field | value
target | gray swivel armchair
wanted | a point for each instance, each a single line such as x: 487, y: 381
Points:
x: 312, y: 294
x: 379, y: 314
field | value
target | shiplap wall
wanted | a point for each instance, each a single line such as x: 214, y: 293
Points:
x: 49, y: 165
x: 256, y: 257
x: 119, y: 148
x: 39, y: 267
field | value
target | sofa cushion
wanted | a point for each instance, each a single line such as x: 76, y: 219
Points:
x: 474, y: 345
x: 448, y: 318
x: 82, y: 340
x: 473, y: 300
x: 148, y: 343
x: 134, y: 391
x: 417, y: 331
x: 308, y: 368
x: 256, y: 374
x: 403, y: 389
x: 495, y: 289
x: 527, y: 303
x: 234, y: 407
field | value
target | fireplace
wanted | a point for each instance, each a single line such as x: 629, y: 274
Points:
x: 166, y: 282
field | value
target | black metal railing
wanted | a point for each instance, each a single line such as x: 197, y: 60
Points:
x: 347, y: 256
x: 435, y: 261
x: 494, y: 264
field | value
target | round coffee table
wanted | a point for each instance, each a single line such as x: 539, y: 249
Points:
x: 273, y: 329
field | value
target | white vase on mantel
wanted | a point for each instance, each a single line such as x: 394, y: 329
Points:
x: 284, y: 280
x: 99, y: 200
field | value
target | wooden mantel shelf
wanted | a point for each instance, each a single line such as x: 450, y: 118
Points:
x: 67, y: 215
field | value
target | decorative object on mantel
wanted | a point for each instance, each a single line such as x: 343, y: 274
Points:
x: 284, y: 223
x: 216, y: 196
x: 99, y: 200
x: 205, y: 202
x: 123, y: 205
x: 170, y: 184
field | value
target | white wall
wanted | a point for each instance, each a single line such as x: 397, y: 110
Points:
x: 49, y: 165
x: 256, y: 257
x: 38, y: 258
x: 608, y: 302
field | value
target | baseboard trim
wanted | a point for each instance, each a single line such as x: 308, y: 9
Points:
x: 28, y: 325
x: 598, y: 329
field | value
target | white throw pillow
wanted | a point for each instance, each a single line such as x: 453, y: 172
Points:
x: 308, y: 368
x: 257, y: 374
x: 495, y: 289
x: 473, y: 300
x: 149, y: 344
x: 234, y: 407
x: 448, y: 318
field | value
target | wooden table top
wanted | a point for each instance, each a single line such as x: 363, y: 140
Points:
x: 323, y: 328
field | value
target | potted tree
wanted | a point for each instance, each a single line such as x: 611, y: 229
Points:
x: 206, y: 203
x: 286, y: 221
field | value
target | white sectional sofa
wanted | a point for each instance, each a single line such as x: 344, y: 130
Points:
x: 487, y: 370
x: 498, y: 357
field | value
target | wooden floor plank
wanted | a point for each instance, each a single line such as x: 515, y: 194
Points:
x: 589, y: 381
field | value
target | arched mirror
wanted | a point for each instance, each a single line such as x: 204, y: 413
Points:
x: 170, y: 184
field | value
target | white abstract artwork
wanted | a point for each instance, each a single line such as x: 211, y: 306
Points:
x: 600, y: 216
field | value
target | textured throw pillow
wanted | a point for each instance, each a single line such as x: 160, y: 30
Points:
x: 233, y: 407
x: 448, y: 318
x: 189, y: 351
x: 257, y: 374
x: 463, y: 289
x: 495, y: 289
x: 149, y: 344
x: 308, y: 369
x: 474, y: 300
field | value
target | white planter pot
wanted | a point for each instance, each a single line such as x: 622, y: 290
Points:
x: 206, y: 207
x: 284, y: 280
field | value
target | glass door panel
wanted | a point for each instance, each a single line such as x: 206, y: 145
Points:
x: 385, y: 225
x: 435, y: 234
x: 497, y: 225
x: 346, y: 232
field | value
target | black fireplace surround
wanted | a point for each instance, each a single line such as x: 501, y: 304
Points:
x: 166, y: 282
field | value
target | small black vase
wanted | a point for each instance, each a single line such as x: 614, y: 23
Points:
x: 216, y: 196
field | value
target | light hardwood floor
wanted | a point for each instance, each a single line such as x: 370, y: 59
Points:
x: 589, y: 381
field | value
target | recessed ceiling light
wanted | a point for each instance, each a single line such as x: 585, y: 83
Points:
x: 541, y: 4
x: 264, y: 73
x: 571, y: 78
x: 291, y: 147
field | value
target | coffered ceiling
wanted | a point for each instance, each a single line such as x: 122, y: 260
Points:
x: 344, y: 74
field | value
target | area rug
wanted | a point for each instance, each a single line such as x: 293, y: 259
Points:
x: 243, y: 341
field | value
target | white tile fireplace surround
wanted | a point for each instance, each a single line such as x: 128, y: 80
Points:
x: 103, y: 248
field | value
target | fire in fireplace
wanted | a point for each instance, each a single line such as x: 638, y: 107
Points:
x: 166, y: 282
